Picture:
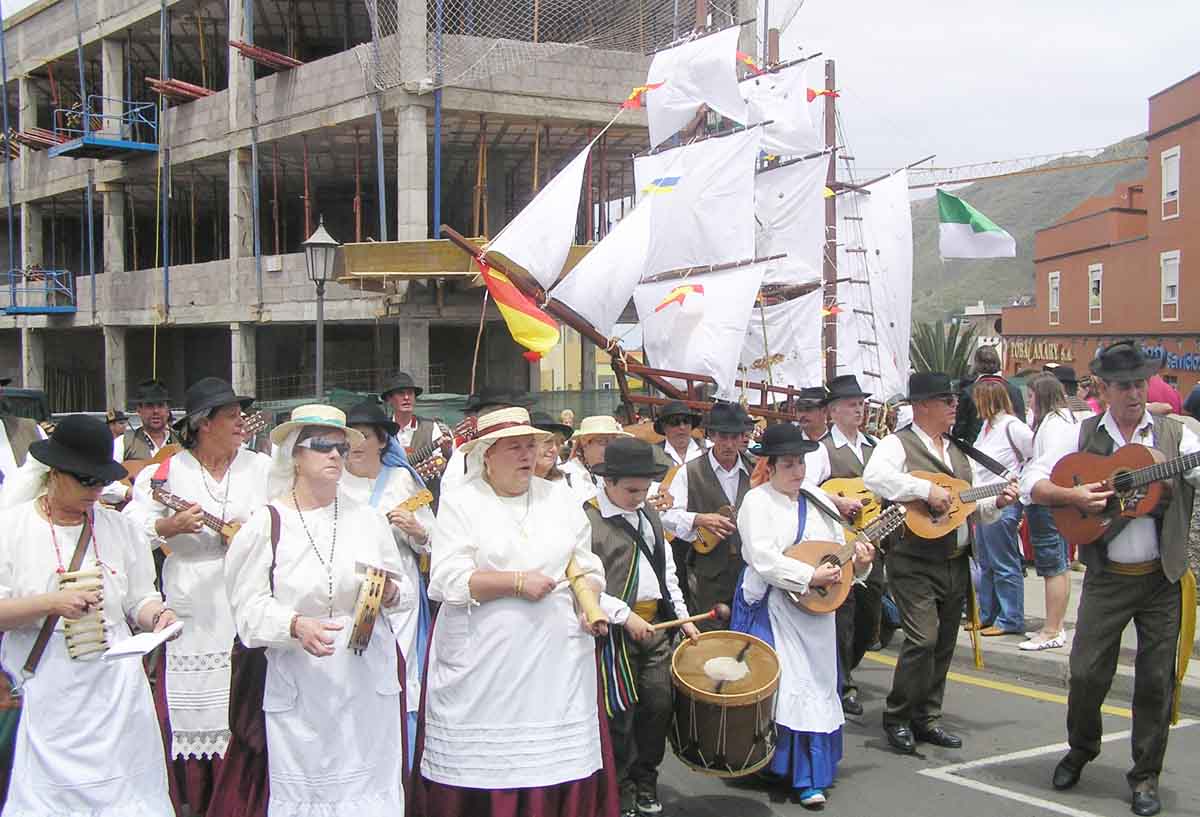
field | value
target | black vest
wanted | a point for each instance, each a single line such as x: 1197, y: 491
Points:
x: 919, y: 458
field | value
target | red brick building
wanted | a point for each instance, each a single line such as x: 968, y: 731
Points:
x: 1126, y: 265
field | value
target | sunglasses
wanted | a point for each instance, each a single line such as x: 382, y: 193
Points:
x: 86, y: 480
x: 677, y: 420
x: 323, y: 446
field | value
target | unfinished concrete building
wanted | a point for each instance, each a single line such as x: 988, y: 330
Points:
x: 136, y: 127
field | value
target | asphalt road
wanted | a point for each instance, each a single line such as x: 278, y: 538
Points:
x: 1014, y: 733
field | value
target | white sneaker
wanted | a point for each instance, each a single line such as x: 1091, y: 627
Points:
x: 817, y: 798
x: 1036, y: 642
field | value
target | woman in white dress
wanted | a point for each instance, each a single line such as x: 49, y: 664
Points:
x: 773, y: 517
x: 333, y: 717
x: 215, y: 476
x: 88, y: 741
x: 510, y: 726
x: 380, y: 475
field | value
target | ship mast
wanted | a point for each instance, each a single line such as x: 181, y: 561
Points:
x: 829, y: 265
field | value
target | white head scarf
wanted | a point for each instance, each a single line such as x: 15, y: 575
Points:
x: 282, y: 475
x: 29, y: 482
x: 475, y: 467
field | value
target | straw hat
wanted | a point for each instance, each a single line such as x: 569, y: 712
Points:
x: 600, y: 424
x: 315, y: 414
x: 501, y: 423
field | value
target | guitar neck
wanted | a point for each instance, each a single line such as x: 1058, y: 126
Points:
x: 1158, y: 472
x: 884, y: 524
x: 175, y: 503
x: 982, y: 492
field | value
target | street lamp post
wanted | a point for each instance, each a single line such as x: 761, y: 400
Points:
x: 319, y: 252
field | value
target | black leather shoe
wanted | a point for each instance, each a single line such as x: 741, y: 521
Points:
x: 1146, y: 802
x: 850, y: 704
x: 1066, y: 773
x: 938, y: 737
x: 900, y: 738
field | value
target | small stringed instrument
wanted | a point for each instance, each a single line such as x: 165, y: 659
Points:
x: 829, y: 598
x: 853, y: 488
x: 418, y: 500
x: 923, y: 522
x: 706, y: 540
x: 227, y: 530
x: 1134, y: 473
x: 430, y: 460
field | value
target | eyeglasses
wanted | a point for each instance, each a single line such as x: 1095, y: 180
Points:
x: 323, y: 446
x: 677, y: 420
x: 86, y: 480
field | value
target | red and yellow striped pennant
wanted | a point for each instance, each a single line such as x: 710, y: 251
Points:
x: 528, y: 325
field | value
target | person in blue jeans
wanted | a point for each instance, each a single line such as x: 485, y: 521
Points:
x: 1010, y: 442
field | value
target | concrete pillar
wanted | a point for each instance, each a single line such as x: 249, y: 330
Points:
x: 241, y: 70
x: 243, y: 347
x: 241, y: 216
x: 587, y: 374
x: 31, y: 235
x: 113, y: 197
x: 535, y: 376
x: 27, y: 100
x: 412, y: 354
x: 33, y: 359
x: 412, y: 174
x: 751, y: 32
x: 115, y: 386
x: 112, y: 83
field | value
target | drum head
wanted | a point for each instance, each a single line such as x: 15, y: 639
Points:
x: 726, y: 668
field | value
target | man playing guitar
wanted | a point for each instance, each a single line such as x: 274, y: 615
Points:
x: 416, y: 433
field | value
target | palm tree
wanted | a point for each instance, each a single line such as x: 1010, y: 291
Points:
x: 938, y: 347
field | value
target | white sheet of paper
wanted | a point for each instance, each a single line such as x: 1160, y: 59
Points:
x: 142, y: 643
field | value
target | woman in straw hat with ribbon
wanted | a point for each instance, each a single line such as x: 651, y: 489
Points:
x: 333, y: 717
x: 87, y: 742
x: 594, y: 433
x: 510, y: 722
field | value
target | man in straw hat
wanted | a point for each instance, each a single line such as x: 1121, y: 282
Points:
x: 929, y: 578
x: 627, y: 535
x: 1137, y: 571
x: 589, y: 440
x: 707, y: 492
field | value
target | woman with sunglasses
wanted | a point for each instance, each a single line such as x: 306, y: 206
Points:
x: 87, y: 742
x: 334, y: 721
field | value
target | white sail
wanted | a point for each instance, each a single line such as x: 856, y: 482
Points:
x: 791, y: 354
x: 540, y: 236
x: 790, y: 206
x: 699, y: 324
x: 700, y: 72
x: 780, y: 98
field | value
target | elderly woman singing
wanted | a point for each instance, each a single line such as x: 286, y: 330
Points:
x: 510, y: 721
x: 76, y: 578
x: 294, y: 575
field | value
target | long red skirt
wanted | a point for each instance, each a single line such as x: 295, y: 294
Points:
x: 593, y: 796
x: 190, y: 780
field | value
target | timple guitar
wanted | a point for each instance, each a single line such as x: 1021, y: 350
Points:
x: 227, y: 530
x: 813, y: 552
x: 706, y: 540
x: 417, y: 500
x: 853, y: 488
x: 1136, y: 475
x: 922, y: 520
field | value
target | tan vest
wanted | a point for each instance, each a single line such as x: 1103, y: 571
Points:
x: 21, y: 432
x: 614, y: 543
x: 705, y: 495
x: 137, y: 447
x: 842, y: 461
x: 919, y: 458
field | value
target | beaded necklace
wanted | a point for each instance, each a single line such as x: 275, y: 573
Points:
x: 58, y: 551
x: 328, y: 565
x: 228, y: 482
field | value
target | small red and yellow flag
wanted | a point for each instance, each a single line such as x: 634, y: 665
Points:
x: 635, y: 98
x: 679, y: 294
x: 528, y: 325
x: 830, y: 311
x: 813, y: 93
x: 748, y: 61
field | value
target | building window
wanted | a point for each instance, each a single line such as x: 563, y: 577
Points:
x: 1054, y: 280
x: 1095, y: 286
x: 1168, y: 264
x: 1170, y: 183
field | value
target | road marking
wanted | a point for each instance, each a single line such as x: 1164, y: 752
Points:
x: 1011, y: 689
x: 952, y: 773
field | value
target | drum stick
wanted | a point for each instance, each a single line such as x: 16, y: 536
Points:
x: 720, y: 613
x: 585, y: 593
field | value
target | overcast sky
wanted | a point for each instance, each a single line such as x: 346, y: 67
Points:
x: 975, y: 81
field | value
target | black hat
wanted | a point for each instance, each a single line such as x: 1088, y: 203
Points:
x: 402, y: 380
x: 542, y: 420
x: 630, y: 457
x: 1123, y: 361
x: 151, y: 391
x: 4, y: 381
x: 812, y: 395
x: 496, y: 396
x: 676, y: 408
x: 207, y: 394
x: 80, y: 445
x: 115, y: 415
x: 370, y: 413
x: 924, y: 385
x: 728, y: 418
x: 843, y: 386
x: 782, y: 439
x: 1066, y: 375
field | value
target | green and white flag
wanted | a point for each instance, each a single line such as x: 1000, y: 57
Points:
x: 967, y: 233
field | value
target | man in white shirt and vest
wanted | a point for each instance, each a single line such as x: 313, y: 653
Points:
x: 676, y: 422
x: 420, y: 437
x: 152, y: 403
x: 18, y: 433
x: 929, y: 578
x: 1138, y: 571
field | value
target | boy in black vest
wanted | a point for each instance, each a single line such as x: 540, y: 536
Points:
x: 1137, y: 571
x: 627, y: 535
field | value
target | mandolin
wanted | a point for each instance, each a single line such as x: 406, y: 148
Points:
x: 227, y: 530
x: 853, y: 488
x: 1134, y: 473
x: 814, y: 552
x: 706, y: 540
x: 923, y: 522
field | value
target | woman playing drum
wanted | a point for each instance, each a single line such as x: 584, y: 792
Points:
x: 88, y: 741
x: 510, y: 722
x: 774, y: 516
x: 333, y: 716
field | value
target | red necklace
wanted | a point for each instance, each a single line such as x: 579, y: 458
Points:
x: 58, y: 551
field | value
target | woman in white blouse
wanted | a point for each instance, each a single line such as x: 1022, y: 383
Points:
x: 380, y: 475
x: 1009, y: 441
x: 333, y: 717
x: 511, y: 723
x: 88, y: 741
x: 773, y: 517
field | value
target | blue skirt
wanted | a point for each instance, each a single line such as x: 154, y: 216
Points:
x: 806, y: 760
